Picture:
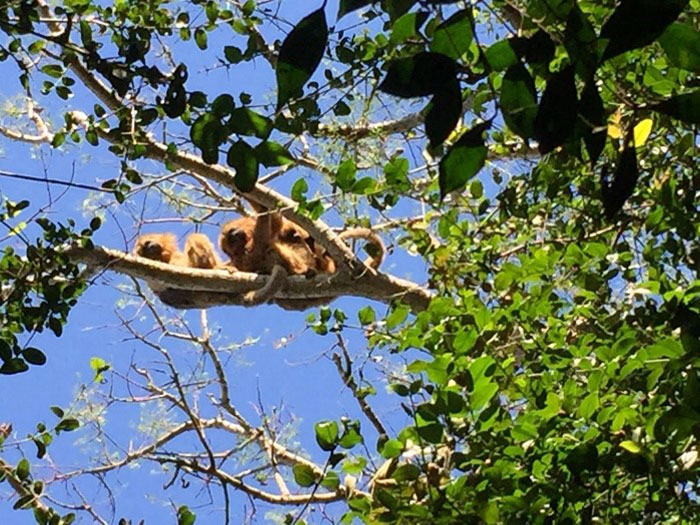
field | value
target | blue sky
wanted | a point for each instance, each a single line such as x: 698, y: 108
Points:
x: 295, y: 375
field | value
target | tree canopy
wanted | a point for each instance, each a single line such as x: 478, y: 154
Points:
x: 527, y: 354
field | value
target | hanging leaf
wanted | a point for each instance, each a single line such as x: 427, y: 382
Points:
x: 591, y: 109
x: 623, y: 183
x: 519, y: 101
x: 685, y: 107
x: 681, y: 42
x: 270, y: 153
x: 407, y: 27
x: 300, y: 55
x: 420, y: 75
x: 642, y: 131
x: 556, y: 115
x: 637, y: 23
x: 351, y: 5
x: 242, y: 158
x: 580, y: 41
x: 444, y: 114
x: 540, y: 48
x: 501, y: 55
x: 207, y: 133
x: 453, y: 37
x: 245, y: 121
x: 464, y: 160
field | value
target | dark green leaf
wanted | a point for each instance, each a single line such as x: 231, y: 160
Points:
x: 300, y: 55
x: 245, y: 121
x: 242, y: 158
x: 431, y: 432
x: 223, y: 105
x: 557, y: 112
x: 34, y: 356
x: 351, y: 5
x: 463, y: 160
x: 518, y: 101
x: 592, y: 112
x: 501, y: 55
x: 15, y: 365
x: 443, y: 115
x: 623, y: 183
x: 68, y: 424
x: 392, y: 449
x: 420, y: 75
x: 330, y: 481
x: 270, y: 153
x: 685, y: 107
x: 637, y: 23
x: 454, y: 36
x: 408, y: 472
x: 681, y: 42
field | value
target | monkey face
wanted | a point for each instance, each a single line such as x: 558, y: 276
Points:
x: 236, y: 239
x: 156, y: 246
x: 295, y: 250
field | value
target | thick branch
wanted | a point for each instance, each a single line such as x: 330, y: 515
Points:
x: 195, y: 288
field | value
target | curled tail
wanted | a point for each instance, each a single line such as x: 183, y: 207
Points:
x: 377, y: 248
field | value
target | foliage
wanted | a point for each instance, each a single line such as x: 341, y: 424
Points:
x: 554, y: 376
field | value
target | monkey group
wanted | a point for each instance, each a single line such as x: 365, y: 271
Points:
x: 267, y: 244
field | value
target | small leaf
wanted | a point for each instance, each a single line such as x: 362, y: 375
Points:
x: 330, y: 481
x: 518, y: 101
x: 300, y: 55
x: 407, y: 472
x: 642, y: 132
x: 67, y: 425
x: 326, y: 434
x: 557, y: 113
x: 366, y: 315
x: 444, y: 114
x: 185, y: 516
x: 242, y: 158
x: 631, y: 446
x: 623, y: 183
x: 304, y: 475
x: 22, y: 469
x: 637, y: 23
x: 58, y: 411
x: 34, y: 356
x: 392, y: 449
x: 16, y: 365
x: 420, y: 75
x: 407, y: 27
x: 463, y: 160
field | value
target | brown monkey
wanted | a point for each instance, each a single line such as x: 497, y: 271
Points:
x: 261, y: 245
x: 199, y: 251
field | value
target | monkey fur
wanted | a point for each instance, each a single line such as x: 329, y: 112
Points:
x: 272, y: 243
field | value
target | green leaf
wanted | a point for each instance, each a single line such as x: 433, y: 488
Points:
x: 685, y: 107
x: 299, y: 190
x: 185, y: 516
x: 331, y: 481
x: 556, y: 113
x: 518, y: 101
x: 16, y: 365
x: 463, y: 160
x: 326, y: 434
x: 270, y: 153
x: 300, y: 55
x: 99, y: 366
x: 207, y: 133
x: 68, y: 425
x: 407, y: 472
x: 351, y: 5
x: 58, y: 411
x: 637, y: 23
x: 200, y: 38
x: 432, y: 432
x: 407, y: 27
x: 245, y: 121
x: 420, y: 75
x: 500, y: 55
x: 631, y: 446
x: 454, y: 36
x: 366, y: 315
x: 223, y: 105
x: 681, y: 42
x: 22, y: 469
x: 34, y: 356
x: 392, y: 449
x: 345, y: 176
x: 304, y: 475
x: 444, y: 113
x: 242, y: 158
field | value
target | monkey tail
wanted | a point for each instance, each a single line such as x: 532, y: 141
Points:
x: 379, y: 250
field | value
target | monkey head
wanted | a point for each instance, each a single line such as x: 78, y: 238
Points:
x: 156, y: 246
x: 236, y: 241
